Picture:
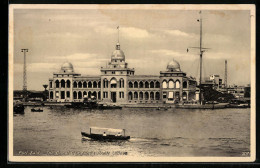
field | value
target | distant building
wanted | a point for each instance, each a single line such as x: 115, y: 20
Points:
x: 119, y: 84
x: 239, y: 91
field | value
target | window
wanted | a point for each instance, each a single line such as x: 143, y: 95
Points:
x: 170, y: 96
x: 184, y: 84
x: 68, y: 84
x: 113, y: 83
x: 171, y: 84
x: 121, y: 72
x: 105, y: 94
x: 164, y: 95
x: 51, y: 84
x: 105, y: 72
x: 68, y: 94
x: 51, y: 95
x: 130, y: 85
x: 57, y: 94
x: 113, y: 72
x: 177, y: 84
x: 57, y: 83
x: 121, y: 95
x: 164, y: 84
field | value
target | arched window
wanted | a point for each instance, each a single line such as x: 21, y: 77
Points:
x: 105, y: 83
x: 135, y: 84
x: 113, y: 83
x: 146, y: 95
x: 184, y: 84
x: 141, y: 84
x: 50, y: 84
x: 51, y: 95
x: 177, y: 95
x: 68, y: 94
x: 141, y: 95
x: 84, y: 84
x: 130, y: 96
x: 75, y: 85
x: 164, y: 84
x: 79, y: 95
x: 94, y: 84
x: 184, y: 96
x: 171, y: 84
x: 177, y: 84
x: 151, y: 84
x: 151, y: 95
x: 68, y: 83
x: 99, y: 95
x: 135, y: 95
x: 121, y: 83
x: 146, y: 84
x: 157, y: 96
x: 94, y: 94
x: 62, y: 83
x: 89, y: 94
x: 99, y: 84
x: 57, y: 83
x: 84, y: 94
x: 89, y: 84
x: 80, y: 84
x: 74, y: 95
x: 157, y: 84
x: 130, y: 85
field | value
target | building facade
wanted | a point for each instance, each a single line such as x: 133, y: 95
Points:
x: 119, y: 84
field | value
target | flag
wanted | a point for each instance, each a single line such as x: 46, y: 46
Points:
x: 117, y: 27
x: 187, y: 50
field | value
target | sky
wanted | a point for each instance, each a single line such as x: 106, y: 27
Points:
x: 149, y: 38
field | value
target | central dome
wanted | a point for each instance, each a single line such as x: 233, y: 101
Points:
x: 173, y: 66
x: 118, y: 54
x: 67, y: 67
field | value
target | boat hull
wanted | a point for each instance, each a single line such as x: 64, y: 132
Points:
x: 198, y: 106
x: 104, y: 138
x: 34, y: 110
x: 19, y: 109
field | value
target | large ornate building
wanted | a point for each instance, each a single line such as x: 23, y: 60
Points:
x: 119, y: 84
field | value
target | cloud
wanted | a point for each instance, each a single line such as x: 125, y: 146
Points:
x: 132, y: 32
x: 75, y: 56
x: 104, y: 30
x: 179, y: 33
x: 37, y: 67
x: 173, y: 54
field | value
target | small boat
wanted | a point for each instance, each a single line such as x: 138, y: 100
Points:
x: 36, y: 110
x: 105, y: 134
x: 236, y: 103
x: 204, y: 106
x: 19, y: 108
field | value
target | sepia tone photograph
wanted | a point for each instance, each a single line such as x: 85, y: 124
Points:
x: 131, y: 83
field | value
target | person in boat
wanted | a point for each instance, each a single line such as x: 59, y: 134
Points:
x: 119, y: 134
x: 104, y: 134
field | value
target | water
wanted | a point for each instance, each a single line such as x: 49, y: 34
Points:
x: 172, y: 132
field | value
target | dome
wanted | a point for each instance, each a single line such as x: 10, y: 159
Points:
x: 118, y: 54
x: 67, y: 67
x: 173, y: 66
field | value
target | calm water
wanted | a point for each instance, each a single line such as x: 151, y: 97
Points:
x: 172, y: 132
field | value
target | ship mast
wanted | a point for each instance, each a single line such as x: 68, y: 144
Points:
x: 201, y: 53
x: 202, y: 50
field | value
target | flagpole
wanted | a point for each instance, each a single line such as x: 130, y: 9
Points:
x: 118, y: 34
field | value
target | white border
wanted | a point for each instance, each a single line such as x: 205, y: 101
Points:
x: 127, y: 158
